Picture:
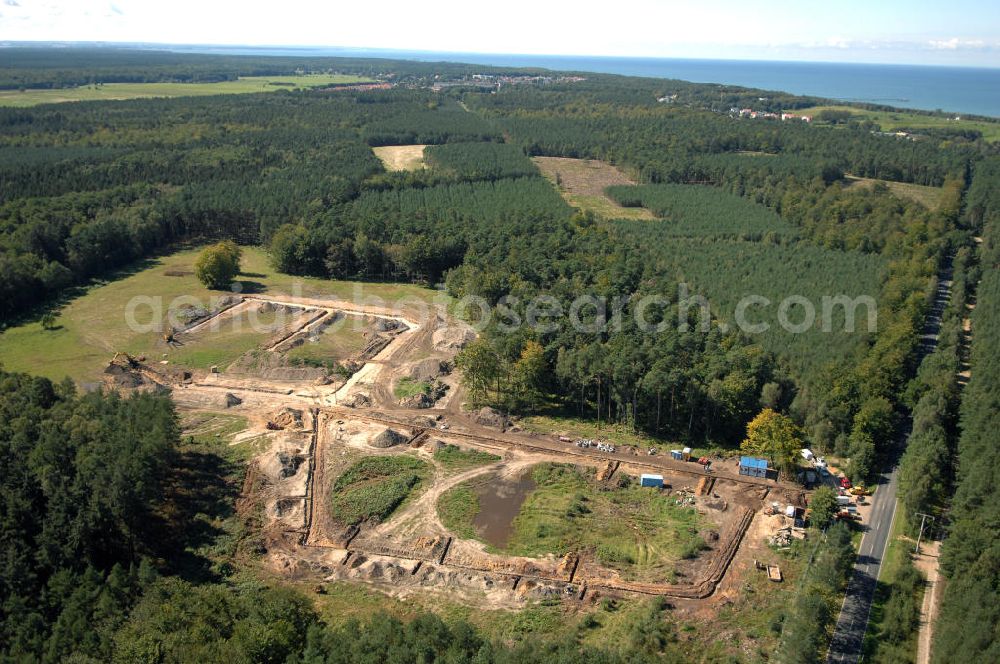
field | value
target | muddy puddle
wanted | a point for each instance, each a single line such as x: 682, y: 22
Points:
x: 499, y: 502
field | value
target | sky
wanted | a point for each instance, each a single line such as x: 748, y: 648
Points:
x: 952, y: 32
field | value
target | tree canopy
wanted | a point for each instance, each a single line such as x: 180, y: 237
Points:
x: 775, y: 437
x: 218, y: 265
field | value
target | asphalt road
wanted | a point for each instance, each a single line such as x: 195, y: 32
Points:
x: 849, y: 635
x: 853, y: 622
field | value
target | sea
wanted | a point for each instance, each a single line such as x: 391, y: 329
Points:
x: 959, y: 90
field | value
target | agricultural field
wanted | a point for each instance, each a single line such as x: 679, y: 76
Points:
x: 929, y: 197
x: 401, y: 157
x: 117, y: 91
x: 374, y: 487
x: 583, y: 183
x: 91, y: 327
x: 899, y: 119
x: 632, y: 529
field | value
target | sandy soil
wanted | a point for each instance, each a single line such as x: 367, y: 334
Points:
x: 401, y: 157
x: 927, y: 563
x: 582, y: 183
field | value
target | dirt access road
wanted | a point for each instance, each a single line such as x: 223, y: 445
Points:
x: 297, y: 470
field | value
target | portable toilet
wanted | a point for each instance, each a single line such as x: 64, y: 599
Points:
x: 676, y: 454
x: 686, y: 454
x: 655, y: 481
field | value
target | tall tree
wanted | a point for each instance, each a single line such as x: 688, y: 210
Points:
x: 776, y: 437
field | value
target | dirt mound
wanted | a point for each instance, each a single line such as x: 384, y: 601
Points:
x: 116, y: 375
x: 387, y: 325
x: 273, y: 366
x: 288, y: 418
x: 427, y: 370
x: 269, y: 307
x: 489, y: 417
x: 387, y: 438
x: 189, y: 315
x: 289, y: 464
x: 434, y: 391
x: 420, y: 400
x: 452, y: 337
x: 358, y: 400
x: 232, y: 400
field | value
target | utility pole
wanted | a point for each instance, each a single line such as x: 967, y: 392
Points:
x: 923, y: 518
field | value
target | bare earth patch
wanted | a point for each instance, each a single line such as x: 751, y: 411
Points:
x: 582, y: 182
x: 401, y: 157
x: 929, y: 197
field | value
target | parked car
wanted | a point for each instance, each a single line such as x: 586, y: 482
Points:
x: 845, y: 483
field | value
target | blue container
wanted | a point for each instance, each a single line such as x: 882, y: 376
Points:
x: 655, y: 481
x: 753, y: 467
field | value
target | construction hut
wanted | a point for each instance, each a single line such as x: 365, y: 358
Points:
x: 753, y: 467
x: 655, y: 481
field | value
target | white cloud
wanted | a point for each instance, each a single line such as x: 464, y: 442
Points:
x: 955, y: 44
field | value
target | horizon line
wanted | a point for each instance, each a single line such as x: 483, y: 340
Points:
x: 8, y: 43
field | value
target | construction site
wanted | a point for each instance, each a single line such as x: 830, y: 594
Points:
x: 358, y: 462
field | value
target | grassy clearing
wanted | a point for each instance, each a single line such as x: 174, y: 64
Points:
x: 216, y: 432
x: 453, y: 457
x: 92, y: 326
x: 341, y: 340
x: 408, y: 387
x: 235, y: 335
x: 929, y: 197
x: 372, y: 488
x: 582, y: 182
x: 638, y: 531
x: 457, y: 509
x: 112, y: 91
x: 401, y: 157
x: 753, y: 617
x: 893, y: 120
